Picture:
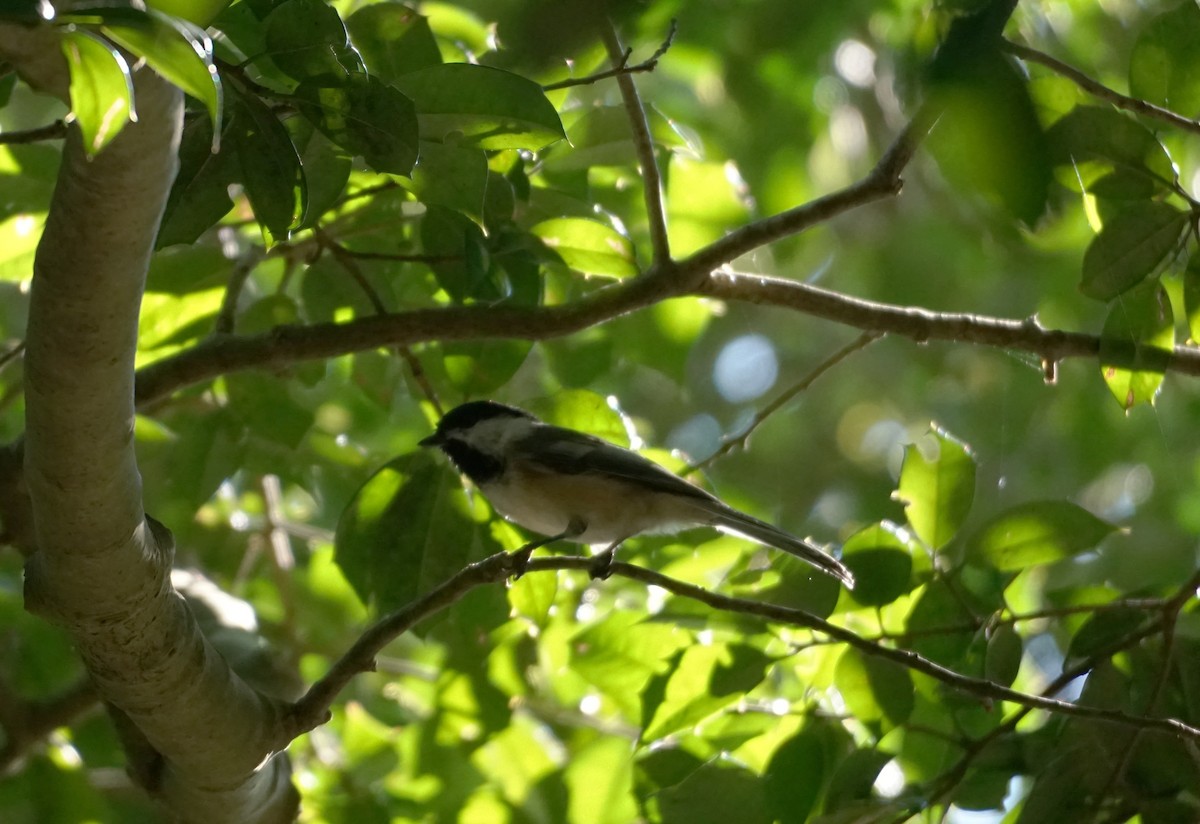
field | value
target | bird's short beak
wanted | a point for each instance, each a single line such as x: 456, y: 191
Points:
x: 433, y: 440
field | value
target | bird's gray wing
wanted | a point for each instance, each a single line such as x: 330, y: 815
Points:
x: 572, y: 453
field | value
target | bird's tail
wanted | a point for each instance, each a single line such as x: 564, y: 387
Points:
x: 741, y: 524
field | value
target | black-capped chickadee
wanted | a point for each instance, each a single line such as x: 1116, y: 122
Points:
x: 576, y: 487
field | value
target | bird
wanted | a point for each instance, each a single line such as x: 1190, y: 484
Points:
x: 572, y: 486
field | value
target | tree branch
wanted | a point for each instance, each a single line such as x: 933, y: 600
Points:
x: 51, y: 131
x: 102, y: 568
x: 643, y: 142
x: 1099, y: 90
x: 313, y: 708
x: 647, y: 65
x: 733, y: 441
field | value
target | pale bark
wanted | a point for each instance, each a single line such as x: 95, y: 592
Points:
x: 195, y: 732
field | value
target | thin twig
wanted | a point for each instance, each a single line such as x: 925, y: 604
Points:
x: 346, y: 259
x: 1170, y: 620
x: 51, y: 131
x: 12, y: 354
x: 227, y: 315
x: 648, y: 65
x: 1099, y: 90
x: 26, y: 723
x: 643, y: 143
x: 313, y: 708
x: 728, y: 444
x: 1170, y: 608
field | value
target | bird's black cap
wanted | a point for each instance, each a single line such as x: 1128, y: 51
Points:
x: 466, y: 415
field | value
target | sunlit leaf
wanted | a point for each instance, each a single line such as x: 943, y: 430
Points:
x: 180, y: 51
x: 599, y: 781
x: 937, y: 491
x: 620, y: 654
x: 1038, y: 532
x: 1136, y: 345
x: 589, y: 246
x: 705, y: 679
x: 101, y: 88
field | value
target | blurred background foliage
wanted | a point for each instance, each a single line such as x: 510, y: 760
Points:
x: 557, y: 699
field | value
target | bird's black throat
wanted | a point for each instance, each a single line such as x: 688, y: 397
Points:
x: 478, y: 466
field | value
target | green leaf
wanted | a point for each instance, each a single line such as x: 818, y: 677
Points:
x: 938, y: 609
x: 1103, y: 630
x: 706, y: 679
x: 200, y: 194
x: 989, y: 139
x: 1136, y: 345
x: 464, y: 265
x: 1164, y: 67
x: 619, y: 655
x: 1039, y: 532
x: 267, y: 313
x: 795, y: 775
x: 875, y: 690
x: 583, y: 410
x: 937, y: 490
x: 602, y: 137
x: 452, y: 176
x: 1129, y: 247
x: 717, y: 793
x: 1089, y: 134
x: 1191, y: 297
x: 705, y: 201
x: 101, y: 88
x: 479, y: 368
x: 271, y: 171
x: 365, y: 117
x: 180, y: 51
x: 882, y: 562
x: 589, y: 246
x: 484, y: 107
x: 532, y: 596
x: 393, y: 39
x: 326, y: 170
x: 409, y: 527
x: 307, y: 41
x: 599, y: 779
x: 854, y: 779
x: 1002, y: 660
x: 265, y: 405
